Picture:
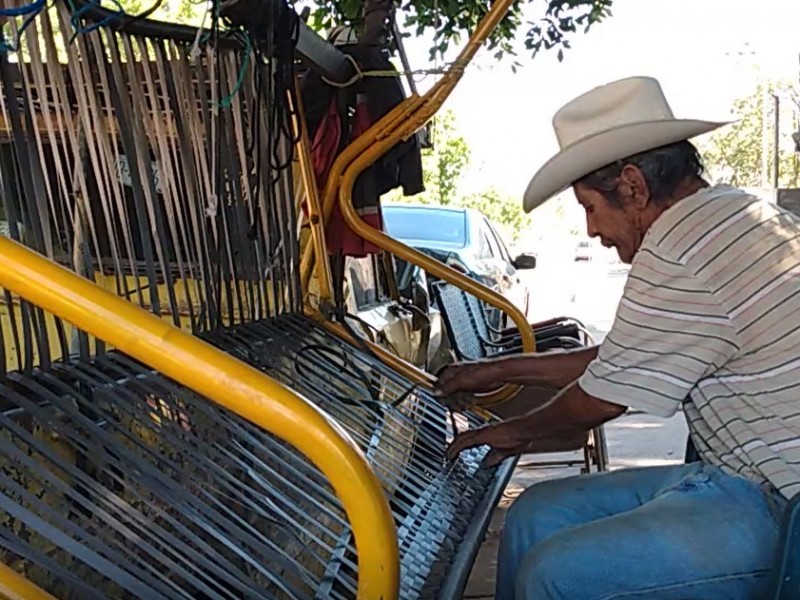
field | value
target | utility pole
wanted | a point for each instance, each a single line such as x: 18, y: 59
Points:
x: 776, y: 154
x: 765, y: 141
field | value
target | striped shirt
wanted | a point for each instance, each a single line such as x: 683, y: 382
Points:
x: 710, y: 318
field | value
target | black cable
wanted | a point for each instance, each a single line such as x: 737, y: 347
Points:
x: 375, y: 405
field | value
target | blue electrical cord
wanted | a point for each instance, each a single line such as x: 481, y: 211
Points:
x: 76, y: 15
x: 32, y: 10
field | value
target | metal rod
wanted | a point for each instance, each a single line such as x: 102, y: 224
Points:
x: 324, y: 276
x: 322, y: 56
x: 316, y: 52
x: 15, y: 587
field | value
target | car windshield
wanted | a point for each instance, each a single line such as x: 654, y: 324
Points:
x: 426, y: 224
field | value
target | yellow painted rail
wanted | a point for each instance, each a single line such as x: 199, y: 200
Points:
x: 422, y: 113
x: 228, y: 382
x: 14, y: 586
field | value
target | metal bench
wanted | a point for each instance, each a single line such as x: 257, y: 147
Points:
x: 473, y: 338
x: 120, y: 482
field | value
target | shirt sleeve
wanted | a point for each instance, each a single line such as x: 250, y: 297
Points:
x: 669, y: 333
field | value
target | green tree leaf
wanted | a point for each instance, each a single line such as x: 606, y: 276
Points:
x: 449, y: 22
x: 735, y: 153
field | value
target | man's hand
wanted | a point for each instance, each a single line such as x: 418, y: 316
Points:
x: 471, y: 377
x: 512, y: 438
x: 505, y: 439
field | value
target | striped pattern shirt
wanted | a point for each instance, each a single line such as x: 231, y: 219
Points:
x: 710, y: 318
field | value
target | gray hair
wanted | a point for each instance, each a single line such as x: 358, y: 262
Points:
x: 663, y: 169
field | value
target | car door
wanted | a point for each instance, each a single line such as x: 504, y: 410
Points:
x: 513, y: 287
x: 489, y: 262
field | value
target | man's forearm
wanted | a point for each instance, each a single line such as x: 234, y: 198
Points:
x: 555, y: 369
x: 571, y: 413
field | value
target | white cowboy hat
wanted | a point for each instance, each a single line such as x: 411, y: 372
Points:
x: 606, y: 124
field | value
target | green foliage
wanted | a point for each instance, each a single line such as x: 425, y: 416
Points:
x: 505, y: 212
x: 188, y: 12
x: 444, y: 165
x: 735, y: 152
x: 450, y: 21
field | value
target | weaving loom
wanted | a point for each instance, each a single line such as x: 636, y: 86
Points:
x: 156, y: 161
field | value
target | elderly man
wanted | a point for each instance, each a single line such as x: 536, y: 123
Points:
x: 708, y: 320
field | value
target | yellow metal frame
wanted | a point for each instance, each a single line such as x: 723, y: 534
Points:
x: 14, y: 586
x: 228, y: 382
x: 315, y: 219
x: 401, y: 123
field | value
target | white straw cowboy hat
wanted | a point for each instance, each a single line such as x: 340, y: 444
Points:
x: 606, y: 124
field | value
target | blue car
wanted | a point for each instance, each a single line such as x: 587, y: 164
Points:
x: 465, y: 240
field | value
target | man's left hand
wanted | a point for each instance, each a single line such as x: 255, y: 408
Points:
x: 505, y: 439
x: 512, y: 438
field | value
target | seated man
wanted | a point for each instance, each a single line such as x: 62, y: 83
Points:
x: 708, y: 319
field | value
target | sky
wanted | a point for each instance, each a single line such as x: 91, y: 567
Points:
x: 705, y: 53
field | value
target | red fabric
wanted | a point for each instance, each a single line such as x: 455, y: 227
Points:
x: 339, y: 236
x: 326, y: 143
x: 324, y: 147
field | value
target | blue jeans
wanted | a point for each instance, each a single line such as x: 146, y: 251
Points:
x: 685, y: 532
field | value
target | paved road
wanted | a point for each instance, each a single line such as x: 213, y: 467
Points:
x: 588, y: 291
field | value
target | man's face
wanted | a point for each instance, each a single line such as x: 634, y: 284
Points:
x: 616, y: 226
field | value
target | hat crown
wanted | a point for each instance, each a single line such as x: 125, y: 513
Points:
x: 624, y: 102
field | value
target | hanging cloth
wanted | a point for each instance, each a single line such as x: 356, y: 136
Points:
x: 366, y: 201
x: 336, y: 117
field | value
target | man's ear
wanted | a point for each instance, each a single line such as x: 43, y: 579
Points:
x: 633, y: 187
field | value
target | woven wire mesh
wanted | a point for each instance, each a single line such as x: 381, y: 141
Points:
x: 460, y: 322
x: 116, y: 482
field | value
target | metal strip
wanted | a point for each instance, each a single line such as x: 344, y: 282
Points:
x: 455, y: 584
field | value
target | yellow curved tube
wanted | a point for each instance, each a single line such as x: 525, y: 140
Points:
x: 229, y: 383
x: 315, y: 219
x: 14, y: 586
x: 435, y: 267
x: 433, y: 100
x: 330, y: 195
x: 402, y: 122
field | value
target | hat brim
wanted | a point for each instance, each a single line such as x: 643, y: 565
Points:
x: 601, y: 149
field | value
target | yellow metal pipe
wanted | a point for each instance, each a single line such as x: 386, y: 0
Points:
x: 315, y: 221
x: 432, y: 102
x: 330, y: 195
x: 416, y: 111
x: 442, y: 88
x: 402, y: 367
x: 229, y: 383
x: 14, y: 586
x: 438, y: 269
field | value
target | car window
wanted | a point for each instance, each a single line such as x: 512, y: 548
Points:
x: 484, y: 246
x: 486, y: 229
x: 504, y: 254
x: 426, y: 224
